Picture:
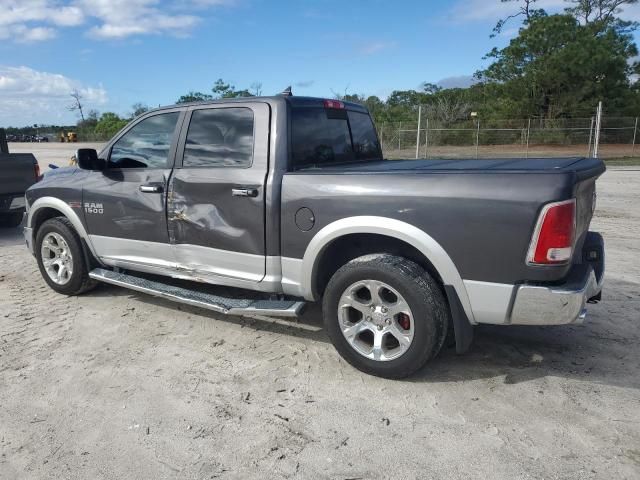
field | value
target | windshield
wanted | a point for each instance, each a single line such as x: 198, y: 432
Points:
x: 329, y: 136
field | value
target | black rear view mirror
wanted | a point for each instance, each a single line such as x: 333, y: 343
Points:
x: 87, y: 159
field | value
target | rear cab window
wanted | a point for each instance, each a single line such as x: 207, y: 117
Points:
x: 330, y: 136
x: 220, y: 137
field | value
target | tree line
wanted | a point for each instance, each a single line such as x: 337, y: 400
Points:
x: 557, y: 66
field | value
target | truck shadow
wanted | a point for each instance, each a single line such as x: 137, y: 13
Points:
x: 309, y: 326
x: 602, y: 350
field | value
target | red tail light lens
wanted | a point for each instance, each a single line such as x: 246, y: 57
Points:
x: 552, y: 241
x: 36, y: 171
x: 334, y: 104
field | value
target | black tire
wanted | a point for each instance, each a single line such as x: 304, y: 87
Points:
x: 421, y: 292
x: 79, y: 281
x: 11, y: 220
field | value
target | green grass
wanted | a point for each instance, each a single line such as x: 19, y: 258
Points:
x: 622, y: 162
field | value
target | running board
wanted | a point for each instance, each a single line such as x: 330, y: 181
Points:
x: 226, y: 305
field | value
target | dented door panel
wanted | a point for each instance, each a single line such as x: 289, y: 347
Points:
x: 215, y: 228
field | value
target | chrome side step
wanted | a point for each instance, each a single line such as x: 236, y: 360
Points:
x: 226, y: 305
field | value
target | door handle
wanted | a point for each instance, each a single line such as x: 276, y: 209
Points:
x: 244, y: 192
x: 151, y: 188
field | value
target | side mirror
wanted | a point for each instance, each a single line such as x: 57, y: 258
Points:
x: 87, y: 159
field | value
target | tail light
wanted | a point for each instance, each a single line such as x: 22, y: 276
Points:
x: 36, y: 171
x: 553, y: 237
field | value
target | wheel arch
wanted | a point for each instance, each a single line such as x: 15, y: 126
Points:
x: 45, y: 208
x: 338, y: 239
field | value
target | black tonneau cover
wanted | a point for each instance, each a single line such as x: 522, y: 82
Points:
x: 591, y: 165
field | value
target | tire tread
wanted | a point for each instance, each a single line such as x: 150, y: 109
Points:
x: 85, y: 283
x: 421, y: 282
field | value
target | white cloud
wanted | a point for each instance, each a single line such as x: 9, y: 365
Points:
x: 37, y: 20
x: 37, y: 34
x: 375, y: 47
x: 305, y: 83
x: 123, y: 18
x: 49, y: 11
x: 631, y: 12
x: 461, y: 81
x: 22, y: 34
x: 28, y: 96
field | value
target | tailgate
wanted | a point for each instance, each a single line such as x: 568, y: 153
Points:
x: 17, y: 173
x: 587, y: 172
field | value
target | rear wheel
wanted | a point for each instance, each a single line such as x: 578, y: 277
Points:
x: 385, y: 315
x: 10, y: 220
x: 61, y: 259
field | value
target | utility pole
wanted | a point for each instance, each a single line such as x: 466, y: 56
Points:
x: 596, y: 142
x: 589, y: 151
x: 418, y: 136
x: 635, y: 129
x: 477, y: 138
x: 426, y: 138
x: 528, y: 135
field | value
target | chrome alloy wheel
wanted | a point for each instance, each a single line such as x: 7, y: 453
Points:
x: 376, y: 320
x: 56, y: 258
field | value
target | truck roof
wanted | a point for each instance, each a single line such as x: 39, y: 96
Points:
x: 292, y: 100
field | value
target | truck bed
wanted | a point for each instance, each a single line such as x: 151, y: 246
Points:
x: 520, y: 165
x: 17, y: 173
x: 454, y: 201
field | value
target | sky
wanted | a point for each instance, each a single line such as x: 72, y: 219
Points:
x: 119, y: 52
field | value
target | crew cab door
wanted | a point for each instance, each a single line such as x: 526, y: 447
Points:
x: 216, y: 194
x: 125, y: 204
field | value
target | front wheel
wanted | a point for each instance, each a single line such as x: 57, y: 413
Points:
x: 385, y: 315
x: 61, y: 259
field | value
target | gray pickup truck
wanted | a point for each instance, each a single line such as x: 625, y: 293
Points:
x: 18, y: 171
x: 289, y: 200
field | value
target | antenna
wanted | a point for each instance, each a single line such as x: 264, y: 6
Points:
x: 287, y: 92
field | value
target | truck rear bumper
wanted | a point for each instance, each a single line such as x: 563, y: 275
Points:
x: 556, y: 305
x: 563, y: 304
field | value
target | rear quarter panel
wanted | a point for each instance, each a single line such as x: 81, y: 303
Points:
x: 484, y: 221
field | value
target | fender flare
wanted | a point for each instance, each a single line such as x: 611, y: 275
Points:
x: 64, y: 208
x: 389, y: 227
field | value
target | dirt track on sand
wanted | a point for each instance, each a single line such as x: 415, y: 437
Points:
x: 114, y: 384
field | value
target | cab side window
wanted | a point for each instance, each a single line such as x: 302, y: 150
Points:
x: 147, y: 144
x: 220, y: 137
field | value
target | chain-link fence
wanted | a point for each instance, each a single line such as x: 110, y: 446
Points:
x: 478, y: 138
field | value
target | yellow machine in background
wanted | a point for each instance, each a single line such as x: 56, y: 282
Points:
x: 69, y: 137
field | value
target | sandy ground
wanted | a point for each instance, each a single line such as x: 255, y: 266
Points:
x: 115, y: 384
x: 56, y: 153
